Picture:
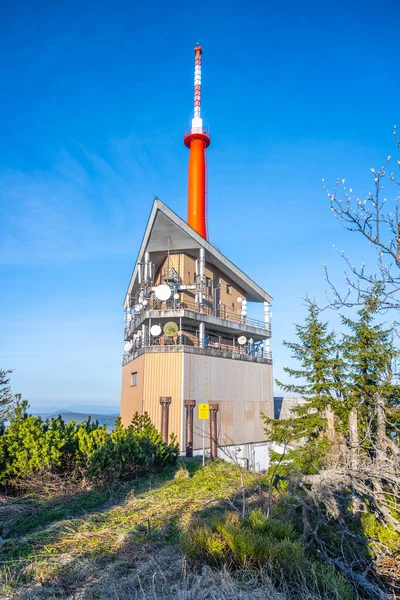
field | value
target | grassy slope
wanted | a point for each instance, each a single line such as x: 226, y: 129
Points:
x: 58, y: 549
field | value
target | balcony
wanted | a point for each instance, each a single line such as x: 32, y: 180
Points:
x: 181, y: 344
x: 213, y: 316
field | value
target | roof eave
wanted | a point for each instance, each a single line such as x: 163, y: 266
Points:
x: 159, y: 205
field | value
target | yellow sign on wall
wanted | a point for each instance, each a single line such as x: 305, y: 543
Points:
x: 204, y: 411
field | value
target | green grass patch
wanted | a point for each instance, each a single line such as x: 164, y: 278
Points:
x: 143, y: 516
x: 259, y: 542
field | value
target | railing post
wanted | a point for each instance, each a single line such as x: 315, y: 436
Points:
x: 165, y: 402
x: 144, y: 344
x: 213, y: 406
x: 189, y: 405
x: 267, y: 322
x: 202, y: 276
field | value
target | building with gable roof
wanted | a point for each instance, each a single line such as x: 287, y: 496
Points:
x: 189, y: 339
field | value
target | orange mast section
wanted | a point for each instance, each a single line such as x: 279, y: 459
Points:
x: 197, y: 140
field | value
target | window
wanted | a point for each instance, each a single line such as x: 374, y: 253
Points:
x: 134, y: 379
x: 228, y: 289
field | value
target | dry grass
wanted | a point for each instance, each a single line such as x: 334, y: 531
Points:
x: 104, y: 553
x: 166, y: 576
x: 125, y: 543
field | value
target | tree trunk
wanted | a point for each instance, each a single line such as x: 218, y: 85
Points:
x: 354, y: 443
x: 381, y: 442
x: 307, y: 529
x: 330, y: 417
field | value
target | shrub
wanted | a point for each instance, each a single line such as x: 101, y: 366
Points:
x: 201, y: 544
x: 379, y: 533
x: 330, y: 583
x: 263, y: 543
x: 279, y: 530
x: 30, y: 445
x: 132, y: 451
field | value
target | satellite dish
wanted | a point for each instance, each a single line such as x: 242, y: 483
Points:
x: 145, y: 302
x: 251, y: 341
x: 126, y: 347
x: 242, y: 340
x: 240, y: 299
x: 155, y: 330
x: 170, y: 329
x: 162, y: 292
x: 176, y: 296
x: 137, y: 308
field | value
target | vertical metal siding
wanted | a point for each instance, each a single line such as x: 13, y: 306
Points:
x: 163, y: 377
x: 131, y: 397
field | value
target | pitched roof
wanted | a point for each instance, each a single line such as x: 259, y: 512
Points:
x: 166, y: 230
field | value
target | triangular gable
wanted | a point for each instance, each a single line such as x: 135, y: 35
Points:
x: 165, y: 230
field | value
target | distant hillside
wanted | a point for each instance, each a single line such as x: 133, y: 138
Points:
x: 84, y: 408
x: 69, y: 415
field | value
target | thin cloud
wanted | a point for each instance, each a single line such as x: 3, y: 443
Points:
x: 80, y: 209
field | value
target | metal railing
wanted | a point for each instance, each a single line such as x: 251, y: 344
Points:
x: 202, y: 130
x: 180, y: 343
x: 220, y: 312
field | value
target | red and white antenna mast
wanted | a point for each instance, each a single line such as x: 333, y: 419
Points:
x: 197, y: 139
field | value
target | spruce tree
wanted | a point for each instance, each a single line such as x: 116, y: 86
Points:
x: 7, y: 398
x: 309, y: 431
x: 371, y: 398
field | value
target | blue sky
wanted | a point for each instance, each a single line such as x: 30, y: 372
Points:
x: 94, y: 100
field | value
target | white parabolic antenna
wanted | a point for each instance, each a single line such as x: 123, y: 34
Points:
x: 162, y: 292
x: 242, y: 340
x: 155, y: 330
x: 176, y: 296
x: 240, y: 299
x: 251, y: 341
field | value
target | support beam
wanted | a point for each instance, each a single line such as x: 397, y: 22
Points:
x: 202, y: 334
x: 189, y: 405
x: 146, y: 267
x: 214, y: 407
x: 165, y: 402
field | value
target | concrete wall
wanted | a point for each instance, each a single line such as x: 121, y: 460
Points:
x: 243, y: 390
x: 283, y: 406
